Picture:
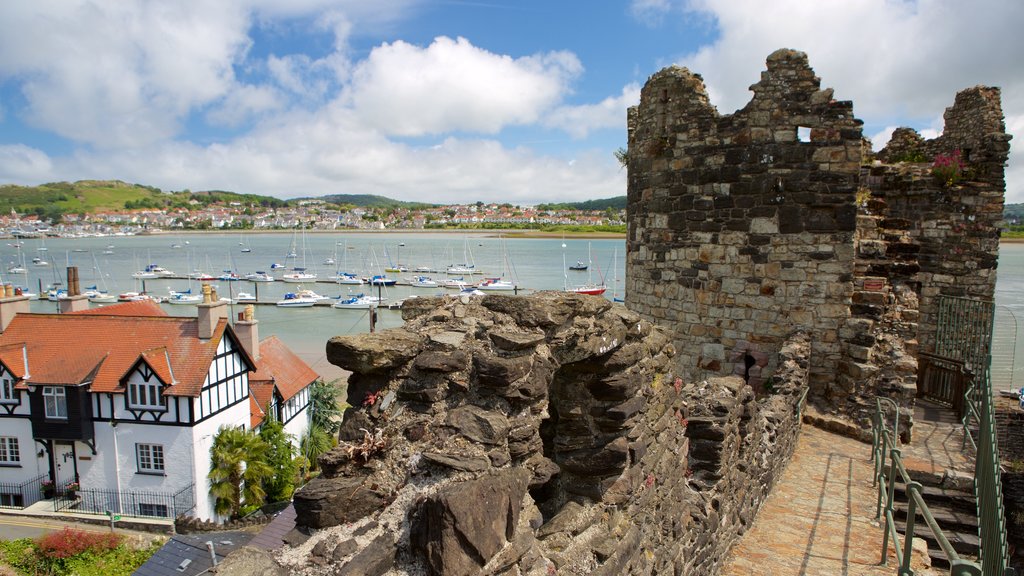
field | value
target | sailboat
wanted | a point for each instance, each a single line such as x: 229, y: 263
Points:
x: 299, y: 274
x: 344, y: 276
x: 245, y: 245
x: 588, y: 288
x: 95, y: 294
x: 499, y: 284
x: 18, y: 267
x: 465, y: 267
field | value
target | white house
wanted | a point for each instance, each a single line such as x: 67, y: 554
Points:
x: 124, y: 401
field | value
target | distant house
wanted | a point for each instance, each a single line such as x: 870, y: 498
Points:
x: 124, y: 401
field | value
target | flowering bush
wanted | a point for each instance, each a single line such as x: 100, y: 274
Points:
x: 948, y: 168
x: 72, y: 487
x: 72, y: 542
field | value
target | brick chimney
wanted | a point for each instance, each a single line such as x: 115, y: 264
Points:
x: 248, y: 332
x: 11, y: 303
x: 75, y: 300
x: 210, y: 311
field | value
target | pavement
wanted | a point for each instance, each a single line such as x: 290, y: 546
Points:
x: 820, y: 518
x: 40, y: 518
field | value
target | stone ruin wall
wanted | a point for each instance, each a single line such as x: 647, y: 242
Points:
x: 538, y: 435
x: 740, y: 231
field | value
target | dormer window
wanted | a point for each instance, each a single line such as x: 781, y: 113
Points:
x: 145, y: 395
x: 8, y: 395
x: 55, y: 402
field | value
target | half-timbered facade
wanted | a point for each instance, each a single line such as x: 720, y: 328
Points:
x: 125, y: 400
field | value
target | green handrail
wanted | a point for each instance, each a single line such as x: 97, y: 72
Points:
x: 885, y: 443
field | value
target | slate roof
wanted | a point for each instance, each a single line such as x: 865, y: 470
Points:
x: 279, y: 365
x: 191, y: 547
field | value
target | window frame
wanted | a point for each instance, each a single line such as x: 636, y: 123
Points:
x: 145, y: 507
x: 8, y: 395
x: 148, y: 389
x: 10, y: 451
x: 60, y: 400
x: 151, y: 462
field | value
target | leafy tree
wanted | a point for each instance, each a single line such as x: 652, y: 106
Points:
x: 323, y: 404
x: 314, y: 443
x: 281, y: 458
x: 238, y: 467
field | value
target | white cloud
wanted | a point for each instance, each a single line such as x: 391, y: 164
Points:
x: 119, y: 73
x: 245, y: 103
x: 24, y: 164
x: 898, y: 61
x: 580, y: 121
x: 452, y: 85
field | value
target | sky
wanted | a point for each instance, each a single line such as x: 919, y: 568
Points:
x: 447, y: 101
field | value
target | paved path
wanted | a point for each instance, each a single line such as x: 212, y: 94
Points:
x: 819, y: 519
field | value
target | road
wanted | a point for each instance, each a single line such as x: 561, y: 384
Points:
x: 14, y: 527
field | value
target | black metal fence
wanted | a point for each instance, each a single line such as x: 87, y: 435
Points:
x: 22, y: 495
x: 130, y: 503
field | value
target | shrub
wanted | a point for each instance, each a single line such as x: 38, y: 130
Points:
x: 72, y: 542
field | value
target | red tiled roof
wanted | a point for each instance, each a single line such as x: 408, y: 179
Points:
x: 279, y: 365
x: 72, y: 349
x: 133, y: 308
x: 260, y: 395
x: 12, y: 356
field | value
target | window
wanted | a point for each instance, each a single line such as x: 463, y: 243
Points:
x: 145, y: 395
x: 55, y: 402
x: 153, y: 510
x: 7, y: 393
x: 8, y: 500
x: 9, y: 452
x: 150, y: 457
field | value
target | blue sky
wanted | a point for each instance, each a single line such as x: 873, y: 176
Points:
x: 445, y: 101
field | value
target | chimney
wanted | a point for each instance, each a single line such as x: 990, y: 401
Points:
x: 75, y: 300
x: 248, y: 332
x: 12, y: 302
x: 210, y: 311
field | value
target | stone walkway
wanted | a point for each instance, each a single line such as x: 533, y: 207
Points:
x: 820, y: 518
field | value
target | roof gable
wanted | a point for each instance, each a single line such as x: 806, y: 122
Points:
x: 279, y: 365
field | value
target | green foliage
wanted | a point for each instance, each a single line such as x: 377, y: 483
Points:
x: 76, y: 552
x: 315, y: 442
x: 622, y: 155
x: 238, y: 468
x: 323, y: 402
x: 281, y: 458
x: 909, y: 156
x: 616, y: 203
x: 370, y: 201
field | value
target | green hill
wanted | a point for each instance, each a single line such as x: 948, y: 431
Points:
x: 616, y: 203
x: 368, y: 201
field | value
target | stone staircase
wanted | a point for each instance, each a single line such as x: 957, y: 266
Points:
x: 953, y: 508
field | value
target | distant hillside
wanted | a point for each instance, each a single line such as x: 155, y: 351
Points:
x: 1013, y: 212
x: 616, y: 203
x: 50, y: 201
x: 369, y: 201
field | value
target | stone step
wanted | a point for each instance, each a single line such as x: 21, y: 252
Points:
x: 935, y: 496
x: 955, y: 520
x: 964, y: 543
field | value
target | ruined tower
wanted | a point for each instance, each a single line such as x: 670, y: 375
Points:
x: 746, y: 227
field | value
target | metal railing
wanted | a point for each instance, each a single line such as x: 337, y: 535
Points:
x: 129, y: 503
x: 885, y: 444
x: 22, y: 495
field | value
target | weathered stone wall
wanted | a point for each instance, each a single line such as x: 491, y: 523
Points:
x: 739, y: 231
x: 539, y: 435
x: 745, y: 227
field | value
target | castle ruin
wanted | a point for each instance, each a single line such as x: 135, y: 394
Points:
x: 746, y: 227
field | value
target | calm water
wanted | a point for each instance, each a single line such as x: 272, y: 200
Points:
x: 536, y: 264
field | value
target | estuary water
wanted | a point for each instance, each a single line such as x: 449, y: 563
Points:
x: 108, y: 263
x: 533, y: 263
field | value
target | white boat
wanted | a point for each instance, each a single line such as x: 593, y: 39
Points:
x: 133, y: 297
x: 151, y: 271
x: 298, y: 275
x: 275, y: 266
x: 301, y: 299
x: 293, y: 300
x: 422, y: 282
x: 37, y: 261
x: 329, y: 262
x: 471, y: 291
x: 245, y: 297
x: 54, y: 293
x: 357, y: 302
x: 17, y: 269
x: 186, y: 297
x: 259, y: 276
x: 461, y: 269
x: 456, y: 283
x: 496, y: 285
x: 589, y: 287
x: 348, y: 278
x: 99, y: 297
x: 229, y: 276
